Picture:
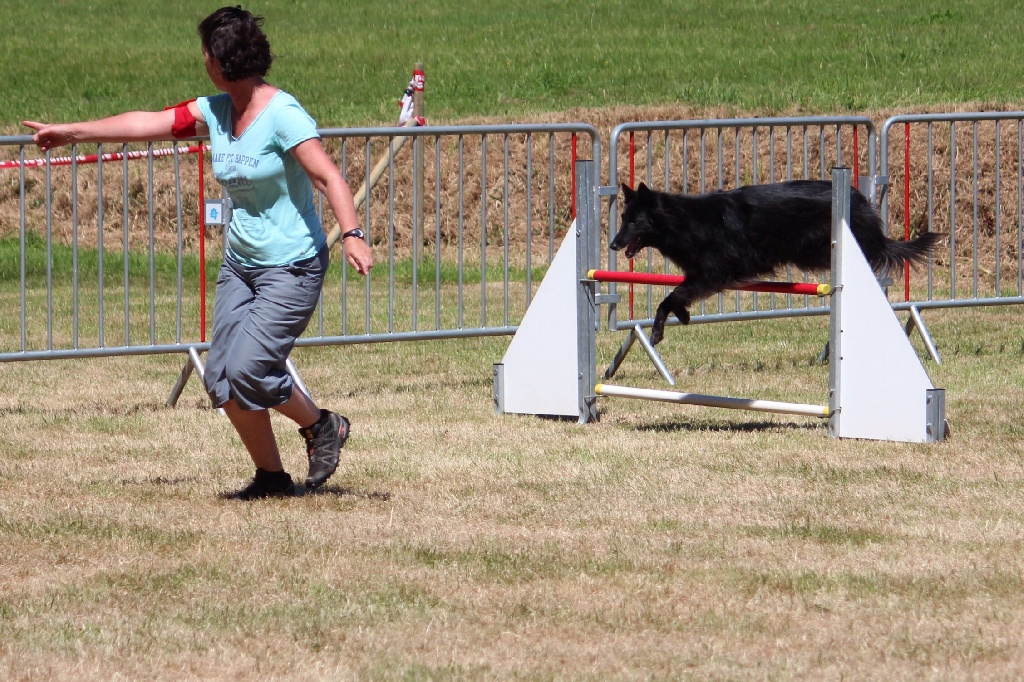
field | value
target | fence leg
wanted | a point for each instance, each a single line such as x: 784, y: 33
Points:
x: 295, y: 376
x: 192, y: 363
x: 653, y: 355
x: 637, y: 334
x: 179, y: 386
x: 915, y: 321
x: 620, y: 355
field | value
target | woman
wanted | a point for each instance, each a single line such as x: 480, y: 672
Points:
x: 267, y: 155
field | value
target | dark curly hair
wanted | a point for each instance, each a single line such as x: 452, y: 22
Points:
x: 233, y: 37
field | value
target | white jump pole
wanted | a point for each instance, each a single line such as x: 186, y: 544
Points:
x: 713, y: 400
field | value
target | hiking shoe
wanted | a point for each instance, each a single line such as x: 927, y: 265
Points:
x: 324, y: 441
x: 265, y: 484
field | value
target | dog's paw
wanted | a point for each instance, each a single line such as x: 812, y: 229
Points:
x: 684, y: 317
x: 657, y: 334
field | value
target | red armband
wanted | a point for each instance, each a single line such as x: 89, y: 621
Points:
x: 184, y: 122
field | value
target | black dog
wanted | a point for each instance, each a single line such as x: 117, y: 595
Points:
x: 724, y: 238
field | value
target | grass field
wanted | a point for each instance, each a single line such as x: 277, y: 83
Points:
x: 664, y: 542
x: 349, y: 62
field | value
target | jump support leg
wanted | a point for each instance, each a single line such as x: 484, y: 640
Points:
x: 637, y: 334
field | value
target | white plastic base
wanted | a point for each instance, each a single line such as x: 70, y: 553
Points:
x: 541, y: 364
x: 882, y: 391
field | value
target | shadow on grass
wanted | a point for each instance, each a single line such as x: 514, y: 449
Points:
x: 704, y: 425
x: 302, y: 491
x: 342, y: 491
x: 158, y: 481
x: 727, y: 427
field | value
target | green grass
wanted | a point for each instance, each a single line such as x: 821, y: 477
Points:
x: 349, y: 62
x: 76, y: 320
x: 64, y: 261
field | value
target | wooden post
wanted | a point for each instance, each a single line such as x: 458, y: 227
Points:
x: 375, y: 174
x: 419, y: 83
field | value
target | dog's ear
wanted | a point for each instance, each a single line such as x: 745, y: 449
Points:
x: 642, y: 190
x: 627, y: 192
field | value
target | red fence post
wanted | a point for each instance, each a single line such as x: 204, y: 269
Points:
x: 632, y: 185
x: 202, y: 246
x: 856, y: 160
x: 906, y: 206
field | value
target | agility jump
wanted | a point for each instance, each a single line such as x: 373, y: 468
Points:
x: 878, y: 389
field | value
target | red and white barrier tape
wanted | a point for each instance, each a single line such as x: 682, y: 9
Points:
x: 95, y: 158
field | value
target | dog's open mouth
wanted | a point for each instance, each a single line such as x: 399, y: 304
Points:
x: 633, y: 248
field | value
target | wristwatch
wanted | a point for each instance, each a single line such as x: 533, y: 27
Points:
x: 353, y: 233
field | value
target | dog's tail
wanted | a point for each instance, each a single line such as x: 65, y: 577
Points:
x: 916, y: 251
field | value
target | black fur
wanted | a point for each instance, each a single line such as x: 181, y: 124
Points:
x: 724, y: 238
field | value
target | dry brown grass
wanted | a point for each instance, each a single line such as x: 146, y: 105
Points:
x: 443, y: 187
x: 663, y: 542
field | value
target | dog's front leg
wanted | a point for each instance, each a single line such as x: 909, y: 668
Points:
x: 674, y: 303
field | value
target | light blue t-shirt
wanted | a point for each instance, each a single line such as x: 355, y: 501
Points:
x: 274, y: 219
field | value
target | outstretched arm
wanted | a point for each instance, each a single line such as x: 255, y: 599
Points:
x: 326, y: 178
x: 132, y: 126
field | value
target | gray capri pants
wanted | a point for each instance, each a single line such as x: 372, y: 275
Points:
x: 258, y: 314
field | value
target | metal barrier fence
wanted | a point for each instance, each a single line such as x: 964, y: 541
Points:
x: 704, y: 156
x: 960, y: 174
x: 461, y: 242
x: 101, y: 256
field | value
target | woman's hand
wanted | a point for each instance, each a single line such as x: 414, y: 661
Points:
x: 359, y: 254
x: 131, y: 126
x: 50, y: 135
